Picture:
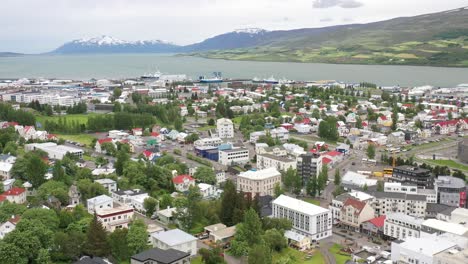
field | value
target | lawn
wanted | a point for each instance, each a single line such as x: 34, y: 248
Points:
x: 80, y: 138
x: 311, y: 200
x: 80, y: 118
x: 340, y: 257
x: 449, y: 163
x: 197, y: 260
x: 206, y: 128
x: 296, y: 256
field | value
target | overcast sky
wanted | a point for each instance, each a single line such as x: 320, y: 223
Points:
x: 42, y: 25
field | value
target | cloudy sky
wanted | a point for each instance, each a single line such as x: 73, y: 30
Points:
x: 42, y: 25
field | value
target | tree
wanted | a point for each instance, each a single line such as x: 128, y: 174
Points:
x: 394, y: 119
x: 278, y: 190
x: 211, y: 256
x: 109, y: 148
x: 276, y: 223
x: 117, y: 93
x: 10, y: 254
x: 150, y: 205
x: 122, y: 158
x: 211, y: 122
x: 260, y: 254
x: 380, y: 186
x: 289, y: 179
x: 250, y: 230
x: 311, y: 187
x: 43, y: 256
x: 119, y: 245
x: 165, y: 201
x: 191, y: 138
x: 97, y: 244
x: 370, y: 151
x: 337, y: 180
x: 322, y: 179
x: 10, y: 148
x: 55, y: 188
x: 47, y: 217
x: 89, y: 189
x: 228, y: 204
x: 35, y: 170
x: 275, y: 239
x: 205, y: 174
x: 8, y: 209
x: 365, y: 187
x: 137, y: 237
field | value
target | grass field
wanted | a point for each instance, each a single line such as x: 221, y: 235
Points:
x: 80, y: 138
x: 80, y: 118
x: 449, y: 163
x: 289, y: 255
x: 311, y: 200
x: 340, y: 259
x: 197, y: 260
x: 206, y: 128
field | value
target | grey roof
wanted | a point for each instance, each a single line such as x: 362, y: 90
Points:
x: 450, y: 182
x: 342, y: 197
x: 129, y: 192
x: 271, y: 156
x: 439, y: 208
x: 234, y: 150
x: 395, y: 195
x: 161, y: 256
x: 174, y: 237
x: 90, y: 260
x: 412, y: 168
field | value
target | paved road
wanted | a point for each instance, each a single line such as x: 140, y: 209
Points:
x: 325, y: 250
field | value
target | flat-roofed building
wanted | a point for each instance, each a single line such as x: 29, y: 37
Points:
x: 280, y: 163
x: 55, y: 151
x: 409, y: 174
x: 307, y: 219
x: 419, y: 250
x: 115, y: 218
x: 401, y: 226
x: 233, y: 156
x: 451, y: 191
x: 260, y: 182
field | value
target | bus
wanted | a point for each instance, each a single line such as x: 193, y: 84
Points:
x: 388, y: 171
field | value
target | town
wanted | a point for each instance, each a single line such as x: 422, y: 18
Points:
x: 163, y: 169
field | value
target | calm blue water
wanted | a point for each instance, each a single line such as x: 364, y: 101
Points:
x: 134, y: 65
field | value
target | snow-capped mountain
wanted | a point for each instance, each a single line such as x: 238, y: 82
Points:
x: 108, y: 44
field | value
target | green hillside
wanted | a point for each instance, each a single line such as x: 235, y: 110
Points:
x: 439, y: 39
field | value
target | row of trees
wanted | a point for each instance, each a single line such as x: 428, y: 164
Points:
x: 22, y: 117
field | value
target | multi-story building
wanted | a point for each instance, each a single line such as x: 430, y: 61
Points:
x: 208, y: 142
x: 451, y: 191
x: 354, y: 213
x: 398, y: 187
x: 436, y: 226
x: 338, y: 202
x: 419, y: 250
x: 220, y: 176
x: 280, y: 133
x: 234, y: 156
x: 99, y: 202
x: 280, y: 163
x: 134, y: 198
x: 175, y: 239
x: 225, y: 128
x: 408, y: 174
x: 307, y: 219
x: 55, y: 151
x: 260, y: 182
x: 115, y: 218
x: 109, y: 184
x: 309, y: 165
x: 14, y: 195
x: 401, y: 226
x: 410, y: 204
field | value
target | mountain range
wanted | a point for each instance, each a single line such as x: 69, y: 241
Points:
x: 437, y: 39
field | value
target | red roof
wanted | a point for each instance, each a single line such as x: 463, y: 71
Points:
x: 358, y: 205
x: 447, y: 123
x: 147, y: 153
x: 49, y: 136
x: 326, y: 160
x: 383, y: 117
x: 14, y: 191
x: 181, y: 178
x: 15, y: 219
x: 378, y: 221
x: 334, y: 153
x: 104, y: 140
x: 154, y: 134
x: 27, y: 128
x: 2, y: 198
x: 364, y: 123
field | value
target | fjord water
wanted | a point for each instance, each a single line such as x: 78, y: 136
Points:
x: 83, y: 67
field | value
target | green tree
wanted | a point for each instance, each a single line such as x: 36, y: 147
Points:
x: 370, y: 151
x: 211, y: 122
x: 311, y: 187
x: 10, y: 254
x: 250, y: 230
x: 137, y: 237
x: 8, y: 209
x: 394, y: 119
x: 205, y: 174
x: 150, y: 205
x: 211, y: 256
x: 380, y: 186
x: 282, y: 224
x: 108, y: 148
x: 228, y: 204
x: 278, y: 190
x: 365, y: 187
x: 122, y: 158
x: 275, y: 239
x: 289, y: 179
x: 165, y: 201
x: 337, y: 179
x: 10, y: 148
x: 89, y: 189
x: 119, y: 245
x: 47, y: 217
x: 117, y: 93
x: 43, y: 256
x: 97, y: 244
x: 260, y: 254
x: 322, y: 179
x: 35, y: 171
x: 55, y: 188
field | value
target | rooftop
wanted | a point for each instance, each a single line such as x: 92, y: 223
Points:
x: 174, y: 237
x: 260, y: 174
x: 294, y: 235
x: 161, y: 256
x: 446, y: 226
x: 282, y: 159
x: 450, y: 182
x: 425, y: 246
x: 299, y: 205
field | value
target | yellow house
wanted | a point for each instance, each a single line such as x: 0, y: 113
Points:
x: 297, y: 240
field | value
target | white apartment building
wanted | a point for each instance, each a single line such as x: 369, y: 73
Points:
x: 310, y: 220
x: 234, y: 156
x: 220, y: 177
x: 419, y: 250
x: 5, y: 170
x: 254, y: 136
x: 401, y: 226
x: 398, y: 187
x: 115, y: 218
x: 272, y: 161
x: 260, y: 182
x: 99, y: 202
x: 207, y: 190
x: 175, y: 239
x: 208, y: 142
x: 109, y: 184
x: 225, y: 128
x: 281, y: 133
x: 410, y: 204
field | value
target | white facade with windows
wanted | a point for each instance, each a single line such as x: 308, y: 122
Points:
x: 225, y: 128
x: 175, y: 239
x: 280, y: 163
x: 99, y: 202
x: 401, y: 226
x: 234, y: 156
x: 260, y: 182
x: 307, y: 219
x: 208, y: 142
x: 115, y: 218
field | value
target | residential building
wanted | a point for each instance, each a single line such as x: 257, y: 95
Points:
x: 166, y: 216
x: 439, y: 227
x: 14, y: 195
x: 220, y: 233
x: 338, y: 202
x: 5, y: 170
x: 225, y: 128
x: 207, y: 190
x: 220, y: 177
x: 309, y: 220
x: 408, y: 188
x: 280, y: 133
x: 9, y: 226
x: 260, y: 182
x: 410, y: 204
x: 280, y: 163
x: 297, y: 240
x: 419, y: 250
x: 115, y: 218
x: 462, y: 150
x: 55, y: 151
x: 234, y: 156
x: 354, y: 213
x: 401, y: 226
x: 133, y: 198
x: 109, y: 184
x: 160, y: 256
x: 74, y: 195
x: 182, y: 183
x: 254, y: 136
x: 451, y: 191
x: 275, y: 150
x: 175, y: 239
x: 308, y: 166
x: 99, y: 202
x: 374, y: 226
x: 208, y: 142
x: 408, y: 174
x: 98, y: 146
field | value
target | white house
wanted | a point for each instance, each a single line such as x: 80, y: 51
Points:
x: 175, y: 239
x: 9, y: 226
x: 5, y: 170
x: 401, y: 226
x: 220, y: 177
x: 207, y: 190
x: 134, y: 198
x: 109, y: 184
x: 14, y: 195
x: 182, y: 183
x: 115, y: 218
x: 234, y: 156
x: 99, y: 202
x: 260, y: 182
x: 225, y: 128
x: 307, y: 219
